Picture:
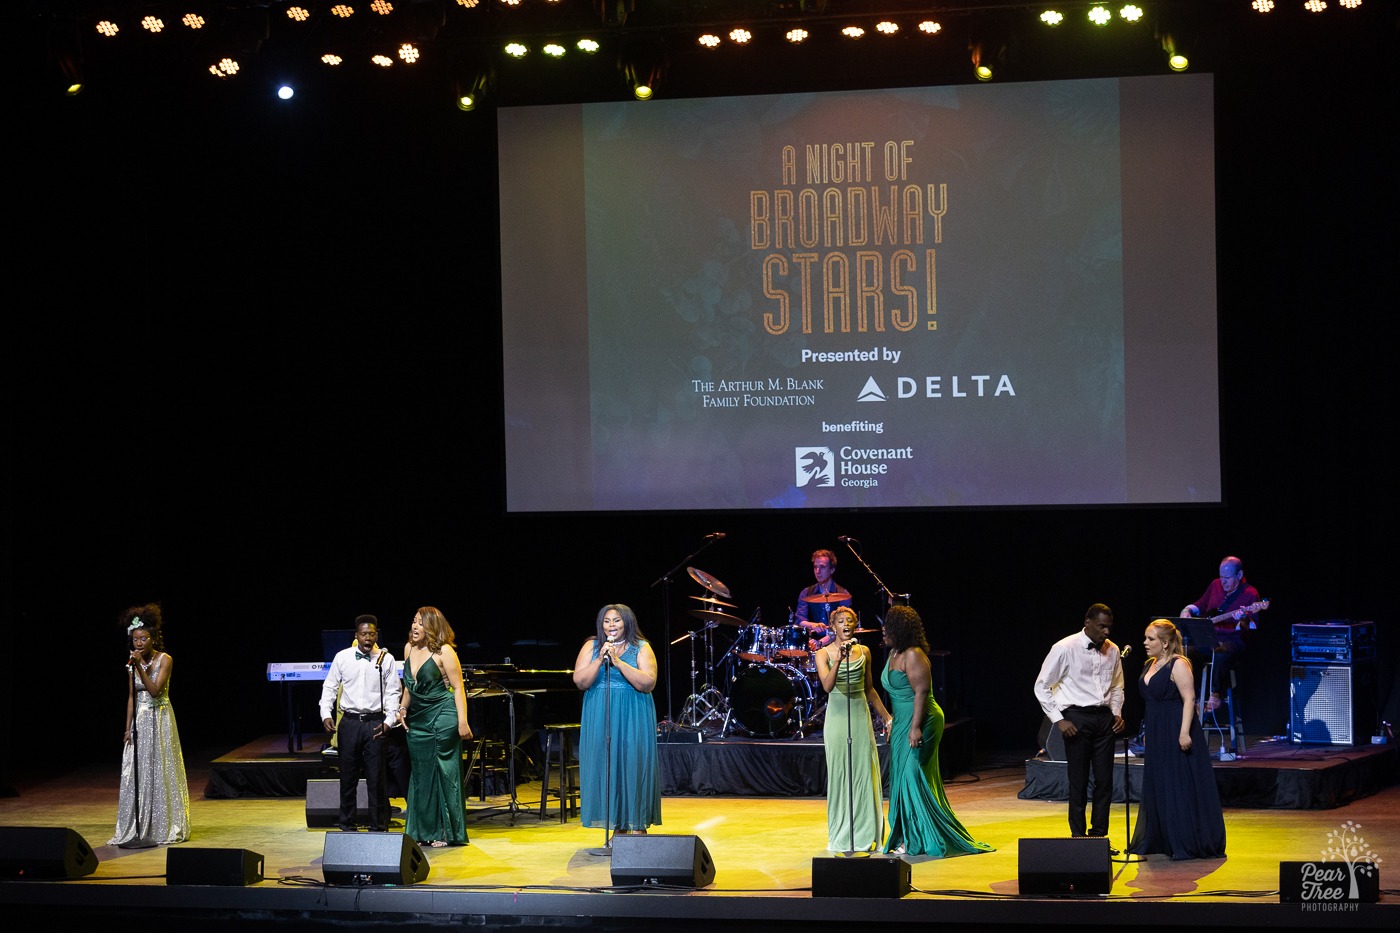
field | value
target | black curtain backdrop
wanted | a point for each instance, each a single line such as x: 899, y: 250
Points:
x: 254, y: 373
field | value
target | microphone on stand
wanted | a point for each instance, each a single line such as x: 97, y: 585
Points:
x: 715, y: 536
x: 847, y: 539
x: 1127, y: 650
x: 607, y: 658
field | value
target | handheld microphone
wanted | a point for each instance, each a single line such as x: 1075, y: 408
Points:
x: 715, y: 536
x: 1127, y: 650
x: 607, y: 658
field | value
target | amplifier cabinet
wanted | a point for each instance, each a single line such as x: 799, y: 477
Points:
x: 1333, y: 642
x: 1331, y: 704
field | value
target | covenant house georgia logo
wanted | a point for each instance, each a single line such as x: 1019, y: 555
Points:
x: 1348, y: 875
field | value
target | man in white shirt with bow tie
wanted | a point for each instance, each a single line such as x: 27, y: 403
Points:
x: 367, y: 683
x: 1080, y: 688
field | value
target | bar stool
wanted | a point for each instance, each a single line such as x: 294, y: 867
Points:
x: 1232, y: 740
x: 559, y: 740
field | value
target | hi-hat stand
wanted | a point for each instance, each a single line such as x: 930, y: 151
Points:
x: 705, y: 706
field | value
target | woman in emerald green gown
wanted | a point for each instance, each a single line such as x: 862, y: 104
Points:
x: 435, y: 711
x: 921, y: 819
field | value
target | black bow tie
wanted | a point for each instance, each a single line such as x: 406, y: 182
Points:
x: 1092, y: 647
x: 363, y: 657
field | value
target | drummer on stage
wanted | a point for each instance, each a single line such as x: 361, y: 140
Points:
x: 815, y: 603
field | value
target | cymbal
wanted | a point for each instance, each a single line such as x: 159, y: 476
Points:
x: 711, y: 615
x: 827, y: 598
x: 715, y: 602
x: 708, y: 582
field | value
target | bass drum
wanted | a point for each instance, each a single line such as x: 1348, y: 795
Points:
x: 770, y: 700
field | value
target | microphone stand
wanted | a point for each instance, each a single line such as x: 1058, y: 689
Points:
x: 605, y: 672
x: 891, y: 598
x: 135, y: 758
x: 665, y: 581
x: 1127, y: 858
x: 845, y: 672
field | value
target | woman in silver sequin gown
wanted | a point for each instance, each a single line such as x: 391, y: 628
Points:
x: 154, y: 806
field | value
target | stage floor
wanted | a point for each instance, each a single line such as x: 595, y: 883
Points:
x: 523, y: 872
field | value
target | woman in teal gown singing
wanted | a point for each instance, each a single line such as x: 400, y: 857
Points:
x: 619, y: 771
x: 855, y: 811
x: 921, y: 819
x: 434, y: 711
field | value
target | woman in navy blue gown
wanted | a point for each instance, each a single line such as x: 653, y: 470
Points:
x: 1180, y: 813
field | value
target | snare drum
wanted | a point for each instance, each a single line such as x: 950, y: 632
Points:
x: 770, y: 700
x: 790, y: 641
x: 753, y: 643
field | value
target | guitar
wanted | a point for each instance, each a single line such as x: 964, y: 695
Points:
x: 1247, y: 610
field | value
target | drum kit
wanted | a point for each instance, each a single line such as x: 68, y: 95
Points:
x: 771, y: 689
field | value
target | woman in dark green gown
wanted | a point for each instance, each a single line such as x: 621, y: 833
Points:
x: 921, y: 819
x: 435, y: 712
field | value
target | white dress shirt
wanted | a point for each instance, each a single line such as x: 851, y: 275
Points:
x: 364, y: 686
x: 1075, y: 673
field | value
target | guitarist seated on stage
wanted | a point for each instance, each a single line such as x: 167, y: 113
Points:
x: 1233, y: 605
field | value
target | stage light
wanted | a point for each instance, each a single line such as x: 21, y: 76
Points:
x: 1130, y: 13
x: 516, y: 49
x: 343, y: 10
x: 709, y: 40
x: 740, y: 36
x: 587, y: 46
x: 1315, y: 6
x: 73, y: 90
x: 408, y: 53
x: 383, y: 61
x: 1349, y: 4
x: 1052, y: 17
x: 285, y: 92
x: 330, y: 58
x: 298, y: 14
x: 192, y: 21
x: 472, y: 93
x: 153, y: 24
x: 1262, y: 6
x: 930, y: 27
x: 107, y: 28
x: 553, y: 50
x: 468, y: 4
x: 852, y: 32
x: 887, y: 28
x: 225, y: 68
x: 382, y: 7
x: 1178, y: 62
x: 797, y: 36
x: 1099, y: 16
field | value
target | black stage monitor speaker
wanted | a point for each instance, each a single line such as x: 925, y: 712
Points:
x: 44, y: 852
x: 1332, y: 704
x: 372, y: 859
x: 1065, y: 866
x: 860, y: 877
x: 682, y: 861
x: 232, y: 867
x: 323, y: 803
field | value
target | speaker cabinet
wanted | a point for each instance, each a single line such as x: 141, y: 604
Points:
x: 232, y: 867
x: 44, y: 852
x: 860, y: 877
x: 323, y: 803
x: 682, y: 861
x: 1331, y: 704
x: 372, y: 859
x: 1081, y: 865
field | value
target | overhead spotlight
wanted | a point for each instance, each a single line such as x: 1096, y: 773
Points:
x: 1315, y: 6
x: 930, y: 27
x: 1052, y: 17
x: 153, y: 24
x: 740, y: 36
x: 1176, y: 60
x: 516, y: 49
x: 1131, y: 13
x: 587, y: 46
x: 887, y: 27
x: 1262, y: 6
x: 709, y: 40
x: 1099, y: 16
x: 74, y: 89
x: 643, y: 62
x: 983, y: 62
x: 285, y: 92
x: 797, y: 36
x: 105, y: 27
x: 852, y: 32
x: 472, y: 92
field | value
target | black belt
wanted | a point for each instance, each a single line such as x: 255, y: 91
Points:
x: 364, y: 717
x: 1087, y: 709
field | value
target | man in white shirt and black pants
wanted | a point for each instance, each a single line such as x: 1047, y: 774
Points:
x: 1080, y: 688
x: 367, y: 682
